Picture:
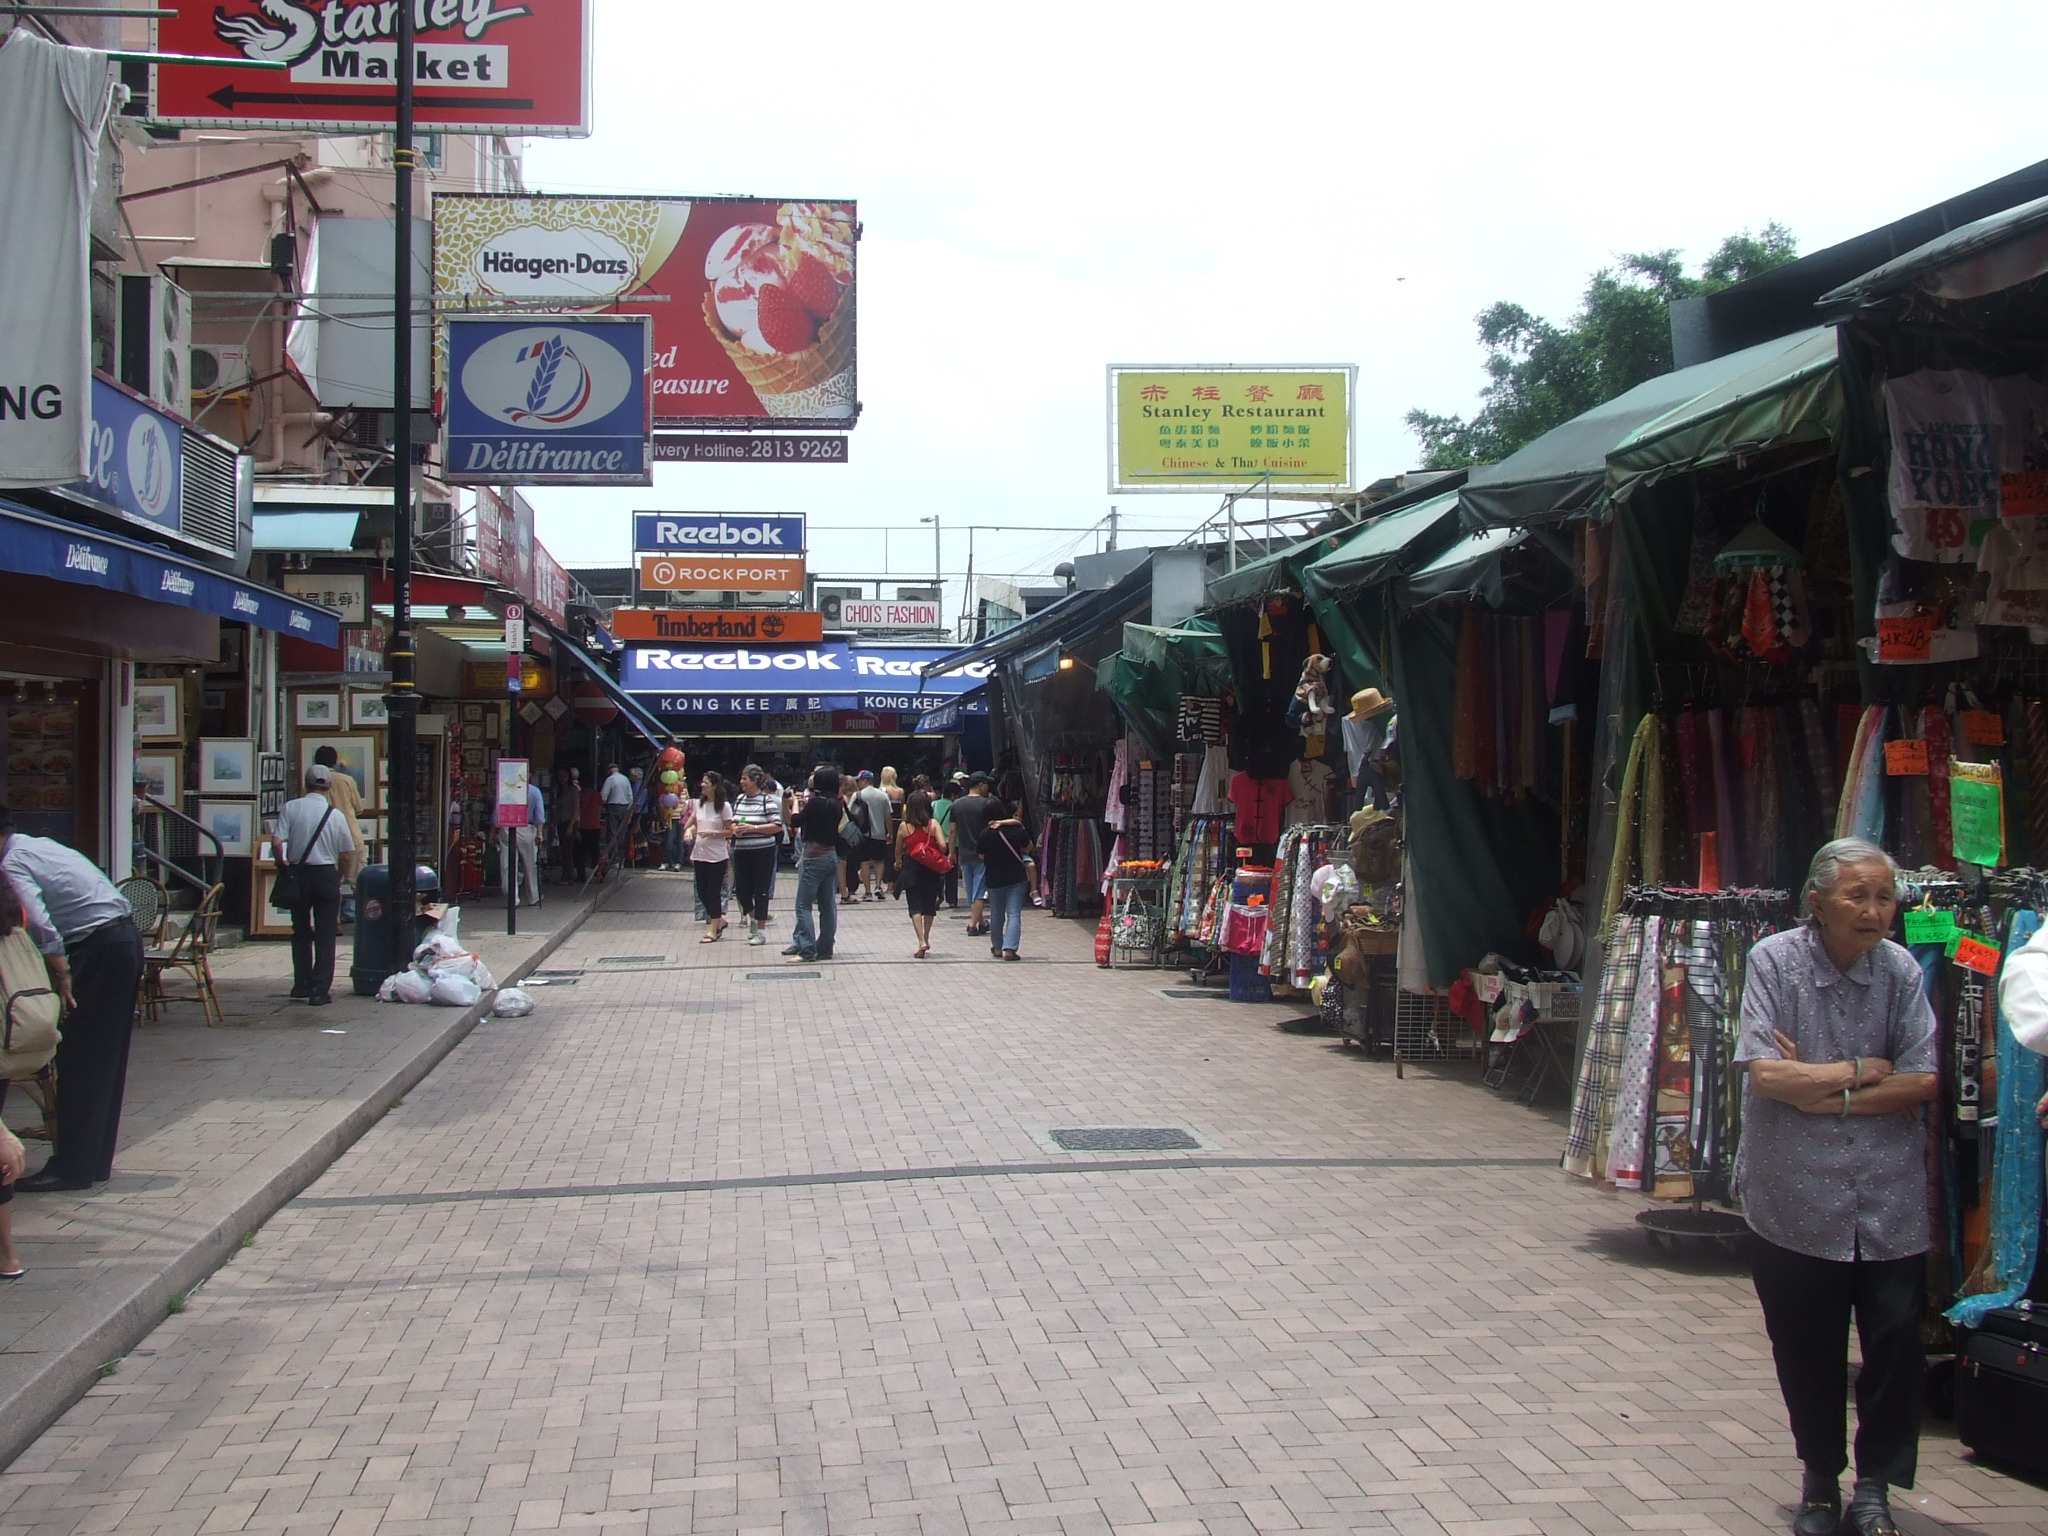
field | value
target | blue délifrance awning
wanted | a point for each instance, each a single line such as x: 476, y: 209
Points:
x: 61, y: 551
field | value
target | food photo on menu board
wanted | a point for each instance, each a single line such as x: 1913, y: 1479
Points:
x: 40, y: 753
x: 753, y: 298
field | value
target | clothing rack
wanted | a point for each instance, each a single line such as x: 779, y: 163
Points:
x: 1681, y: 904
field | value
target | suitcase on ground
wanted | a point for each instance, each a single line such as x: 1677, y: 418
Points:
x: 2002, y: 1387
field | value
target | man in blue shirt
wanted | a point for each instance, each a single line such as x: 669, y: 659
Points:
x: 89, y: 941
x: 529, y: 839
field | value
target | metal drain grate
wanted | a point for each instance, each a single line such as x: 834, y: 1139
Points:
x: 556, y: 975
x: 630, y: 960
x: 1125, y: 1138
x: 784, y: 975
x: 1195, y: 994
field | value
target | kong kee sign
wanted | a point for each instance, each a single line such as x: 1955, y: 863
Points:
x: 753, y: 680
x: 480, y: 66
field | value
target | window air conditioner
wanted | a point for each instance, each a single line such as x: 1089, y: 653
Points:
x: 219, y: 370
x: 156, y: 340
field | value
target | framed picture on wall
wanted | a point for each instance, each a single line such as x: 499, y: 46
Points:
x: 270, y: 776
x: 317, y: 712
x: 161, y: 775
x: 265, y: 921
x: 473, y: 712
x: 227, y: 766
x: 159, y: 711
x: 357, y: 755
x: 366, y: 711
x: 233, y: 822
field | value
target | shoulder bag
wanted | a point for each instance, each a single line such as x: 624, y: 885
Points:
x: 850, y: 839
x: 28, y: 1034
x: 924, y: 846
x: 284, y: 891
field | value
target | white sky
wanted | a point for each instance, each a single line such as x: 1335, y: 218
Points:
x: 1252, y: 183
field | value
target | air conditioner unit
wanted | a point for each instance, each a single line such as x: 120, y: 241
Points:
x: 156, y: 340
x: 917, y: 594
x: 219, y: 370
x: 829, y: 599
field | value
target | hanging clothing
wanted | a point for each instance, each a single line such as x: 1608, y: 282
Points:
x: 1212, y: 784
x: 1258, y: 803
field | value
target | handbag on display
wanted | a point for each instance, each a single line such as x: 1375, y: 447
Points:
x: 926, y: 849
x: 28, y: 1034
x: 284, y: 890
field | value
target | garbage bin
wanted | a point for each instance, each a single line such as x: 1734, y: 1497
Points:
x: 377, y: 950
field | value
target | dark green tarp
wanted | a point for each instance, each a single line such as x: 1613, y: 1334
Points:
x: 1482, y: 865
x: 1277, y: 572
x: 1563, y: 474
x: 1146, y: 679
x: 1382, y: 547
x: 1989, y: 256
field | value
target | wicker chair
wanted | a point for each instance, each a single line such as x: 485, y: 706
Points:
x: 190, y: 954
x: 151, y: 904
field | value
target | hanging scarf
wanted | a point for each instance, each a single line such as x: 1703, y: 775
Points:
x: 1940, y: 831
x: 1585, y: 1148
x: 1470, y: 713
x: 1733, y: 861
x: 2035, y: 756
x: 1639, y: 817
x: 1827, y: 788
x: 1625, y: 1151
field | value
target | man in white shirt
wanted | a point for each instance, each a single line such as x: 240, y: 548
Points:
x: 529, y: 840
x: 93, y: 951
x: 617, y: 794
x: 312, y: 839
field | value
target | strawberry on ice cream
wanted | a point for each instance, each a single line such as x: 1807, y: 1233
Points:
x: 778, y: 297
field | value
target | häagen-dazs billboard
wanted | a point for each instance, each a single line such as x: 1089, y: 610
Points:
x: 752, y: 298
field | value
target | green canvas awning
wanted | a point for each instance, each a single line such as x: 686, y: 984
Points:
x: 1193, y: 649
x: 1563, y: 474
x: 1988, y: 256
x: 1379, y: 549
x: 1794, y: 395
x: 1277, y: 572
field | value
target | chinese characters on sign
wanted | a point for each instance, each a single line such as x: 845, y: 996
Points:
x: 1220, y: 428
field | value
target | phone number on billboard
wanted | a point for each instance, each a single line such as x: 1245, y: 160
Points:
x: 671, y: 448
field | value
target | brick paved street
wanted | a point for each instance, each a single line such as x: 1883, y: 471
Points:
x: 711, y: 1244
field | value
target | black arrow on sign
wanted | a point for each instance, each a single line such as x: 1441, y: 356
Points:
x: 227, y: 98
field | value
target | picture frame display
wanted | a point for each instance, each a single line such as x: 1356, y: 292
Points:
x: 317, y: 711
x: 227, y: 766
x: 233, y: 821
x: 265, y: 921
x: 159, y: 711
x: 162, y: 775
x: 367, y: 711
x: 357, y: 752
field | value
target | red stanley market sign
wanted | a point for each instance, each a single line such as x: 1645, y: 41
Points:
x: 481, y: 66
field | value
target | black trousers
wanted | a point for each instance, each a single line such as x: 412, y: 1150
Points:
x: 92, y: 1058
x: 710, y: 887
x: 753, y: 876
x: 315, y: 916
x: 1808, y: 1304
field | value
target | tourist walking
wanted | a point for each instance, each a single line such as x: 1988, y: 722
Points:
x: 617, y: 794
x: 970, y: 820
x: 1004, y: 846
x: 870, y: 809
x: 757, y: 827
x: 711, y: 853
x: 921, y: 862
x: 942, y: 813
x: 818, y: 822
x: 313, y: 839
x: 93, y: 952
x: 1839, y: 1042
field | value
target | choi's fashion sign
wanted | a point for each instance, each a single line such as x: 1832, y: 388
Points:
x: 752, y: 299
x: 479, y: 66
x: 1221, y: 429
x: 664, y: 533
x: 564, y: 403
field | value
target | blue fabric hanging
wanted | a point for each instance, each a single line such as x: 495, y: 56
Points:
x: 2016, y: 1166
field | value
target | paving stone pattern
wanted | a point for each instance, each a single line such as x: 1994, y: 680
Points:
x: 1452, y: 1338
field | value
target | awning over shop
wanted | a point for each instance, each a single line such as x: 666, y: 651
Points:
x: 1792, y: 396
x: 305, y: 533
x: 1378, y: 550
x: 1277, y: 572
x: 637, y: 714
x: 793, y: 679
x: 1194, y: 650
x: 1563, y: 474
x: 1069, y: 618
x: 954, y: 715
x: 1469, y: 568
x: 59, y: 551
x: 1989, y: 256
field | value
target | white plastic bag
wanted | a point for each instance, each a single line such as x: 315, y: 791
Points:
x: 513, y: 1003
x: 435, y: 947
x: 455, y: 992
x: 469, y: 966
x: 405, y: 987
x: 450, y: 926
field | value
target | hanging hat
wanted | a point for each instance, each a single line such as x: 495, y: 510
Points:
x: 1368, y: 702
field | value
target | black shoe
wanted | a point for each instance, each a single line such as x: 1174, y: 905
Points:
x: 1869, y: 1512
x: 823, y: 954
x: 1820, y: 1506
x: 792, y: 950
x: 299, y: 994
x: 49, y: 1181
x: 319, y: 1000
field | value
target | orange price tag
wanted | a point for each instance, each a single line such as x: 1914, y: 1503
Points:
x: 1905, y: 639
x: 1976, y: 955
x: 1905, y: 759
x: 1983, y: 728
x: 2024, y: 494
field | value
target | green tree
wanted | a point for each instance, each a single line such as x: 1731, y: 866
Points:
x: 1540, y: 374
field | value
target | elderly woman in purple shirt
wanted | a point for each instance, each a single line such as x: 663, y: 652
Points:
x: 1839, y: 1042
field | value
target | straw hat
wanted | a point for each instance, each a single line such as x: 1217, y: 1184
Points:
x: 1368, y: 702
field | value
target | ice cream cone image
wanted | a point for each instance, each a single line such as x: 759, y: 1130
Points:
x: 780, y: 301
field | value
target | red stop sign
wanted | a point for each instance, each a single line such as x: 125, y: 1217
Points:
x: 593, y: 705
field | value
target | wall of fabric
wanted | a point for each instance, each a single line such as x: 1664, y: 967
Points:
x: 1487, y: 863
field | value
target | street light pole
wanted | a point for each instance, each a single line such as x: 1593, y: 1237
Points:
x: 403, y: 704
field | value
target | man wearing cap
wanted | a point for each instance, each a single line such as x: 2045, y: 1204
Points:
x: 970, y: 820
x: 93, y: 951
x: 869, y: 808
x: 312, y: 840
x: 1368, y: 739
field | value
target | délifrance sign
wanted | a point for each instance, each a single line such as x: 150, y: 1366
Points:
x: 564, y: 403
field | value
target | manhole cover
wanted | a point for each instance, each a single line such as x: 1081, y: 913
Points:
x: 630, y: 960
x: 1195, y: 994
x: 783, y: 975
x: 1126, y: 1138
